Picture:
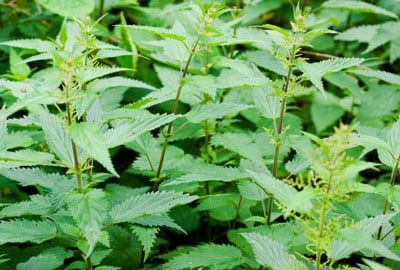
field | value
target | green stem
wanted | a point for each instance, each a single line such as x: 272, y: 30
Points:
x: 237, y: 12
x: 78, y: 172
x: 386, y: 205
x: 101, y: 8
x: 174, y: 109
x: 280, y: 127
x: 322, y: 222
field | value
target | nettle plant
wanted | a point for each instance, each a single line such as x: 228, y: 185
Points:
x: 221, y: 157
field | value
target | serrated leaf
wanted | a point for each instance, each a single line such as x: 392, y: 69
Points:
x: 106, y: 83
x: 146, y: 236
x: 379, y: 74
x: 22, y: 231
x: 88, y: 74
x: 148, y: 204
x: 243, y: 144
x: 358, y: 6
x: 209, y: 173
x: 202, y: 112
x: 89, y: 137
x: 10, y: 159
x: 89, y: 211
x: 251, y: 191
x: 362, y: 238
x: 56, y: 138
x: 33, y: 44
x: 49, y: 259
x: 127, y: 131
x: 315, y: 71
x: 271, y: 253
x: 38, y: 205
x: 297, y: 165
x: 279, y: 189
x: 69, y: 8
x: 33, y: 176
x: 159, y: 31
x: 268, y: 105
x: 213, y: 256
x: 158, y: 221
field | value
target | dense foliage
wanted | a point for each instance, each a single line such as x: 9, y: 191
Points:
x: 199, y: 134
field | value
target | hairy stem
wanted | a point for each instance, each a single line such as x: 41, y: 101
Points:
x: 174, y: 109
x: 78, y: 172
x: 280, y: 126
x: 386, y: 205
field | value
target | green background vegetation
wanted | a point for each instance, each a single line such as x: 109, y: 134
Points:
x: 199, y: 134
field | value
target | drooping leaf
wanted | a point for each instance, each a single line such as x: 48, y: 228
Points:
x: 315, y: 71
x: 213, y: 256
x: 325, y: 110
x: 271, y: 253
x: 49, y: 259
x: 202, y: 112
x: 358, y: 6
x: 148, y: 204
x: 89, y: 137
x: 146, y: 236
x: 23, y: 230
x: 89, y: 211
x: 69, y: 8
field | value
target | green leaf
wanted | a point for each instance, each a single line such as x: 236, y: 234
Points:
x: 266, y: 60
x: 315, y: 71
x: 49, y: 259
x: 146, y: 236
x: 281, y: 191
x: 23, y: 230
x: 209, y: 173
x: 34, y: 176
x: 89, y: 137
x: 358, y: 6
x: 158, y: 221
x: 268, y: 105
x: 379, y: 74
x: 240, y: 143
x: 159, y: 31
x: 16, y: 67
x: 212, y: 256
x: 38, y: 205
x: 374, y: 265
x: 112, y: 82
x: 202, y: 112
x: 148, y: 204
x: 3, y: 129
x: 325, y: 110
x: 251, y: 191
x: 127, y: 131
x: 297, y: 165
x: 32, y: 44
x: 10, y: 159
x: 69, y: 8
x: 89, y: 211
x: 88, y: 74
x: 271, y: 253
x: 56, y: 138
x: 360, y: 236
